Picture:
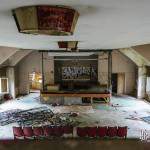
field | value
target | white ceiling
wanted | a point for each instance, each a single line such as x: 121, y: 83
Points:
x: 103, y: 24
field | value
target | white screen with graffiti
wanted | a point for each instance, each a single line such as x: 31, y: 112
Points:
x: 77, y: 73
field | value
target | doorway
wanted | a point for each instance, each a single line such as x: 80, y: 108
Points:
x: 114, y: 83
x: 118, y: 83
x: 3, y: 85
x: 121, y: 83
x: 35, y: 82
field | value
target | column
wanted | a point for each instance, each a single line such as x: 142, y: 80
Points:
x: 109, y: 71
x: 10, y: 72
x: 141, y: 83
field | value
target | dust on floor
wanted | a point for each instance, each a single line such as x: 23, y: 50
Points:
x: 121, y: 111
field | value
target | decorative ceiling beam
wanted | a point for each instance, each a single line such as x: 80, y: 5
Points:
x: 18, y: 56
x: 136, y: 57
x: 6, y: 52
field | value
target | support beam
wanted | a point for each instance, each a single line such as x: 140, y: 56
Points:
x: 136, y: 57
x: 143, y: 50
x: 79, y: 50
x: 18, y: 56
x: 5, y: 53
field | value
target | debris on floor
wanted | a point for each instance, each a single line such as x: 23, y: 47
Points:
x: 74, y: 114
x: 25, y: 117
x: 116, y: 105
x: 37, y: 117
x: 74, y: 108
x: 133, y: 118
x: 125, y: 111
x: 146, y: 119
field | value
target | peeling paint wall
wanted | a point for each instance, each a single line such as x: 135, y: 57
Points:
x: 120, y: 64
x: 32, y: 63
x: 3, y: 72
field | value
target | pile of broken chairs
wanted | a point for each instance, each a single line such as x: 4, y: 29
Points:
x: 50, y: 132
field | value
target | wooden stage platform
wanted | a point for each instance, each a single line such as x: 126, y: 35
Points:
x: 91, y: 95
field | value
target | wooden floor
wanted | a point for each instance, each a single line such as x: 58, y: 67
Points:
x: 75, y: 145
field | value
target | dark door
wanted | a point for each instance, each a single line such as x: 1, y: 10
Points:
x: 114, y: 82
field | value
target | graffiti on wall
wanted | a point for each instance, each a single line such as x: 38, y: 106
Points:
x: 78, y: 73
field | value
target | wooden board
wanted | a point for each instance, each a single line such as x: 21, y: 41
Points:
x: 96, y: 95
